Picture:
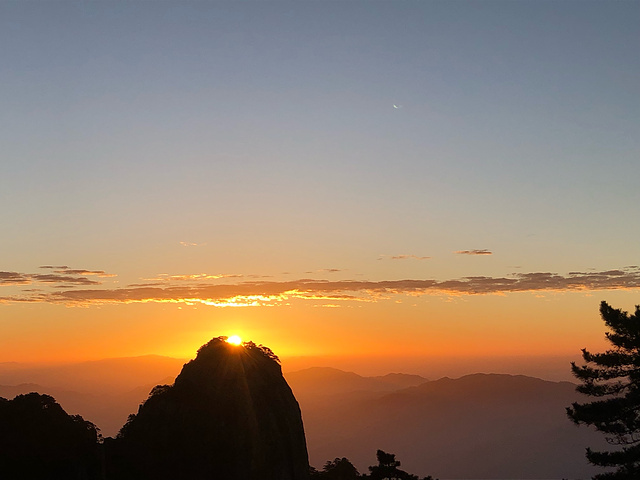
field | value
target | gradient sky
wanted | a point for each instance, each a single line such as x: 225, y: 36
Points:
x: 399, y: 178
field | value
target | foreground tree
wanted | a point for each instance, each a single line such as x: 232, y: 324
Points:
x: 338, y: 469
x: 387, y: 469
x: 343, y: 469
x: 614, y: 378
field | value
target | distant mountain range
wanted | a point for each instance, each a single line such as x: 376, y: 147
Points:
x: 478, y: 426
x: 100, y: 376
x: 486, y: 426
x: 319, y: 382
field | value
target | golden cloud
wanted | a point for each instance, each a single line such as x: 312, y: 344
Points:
x: 263, y: 293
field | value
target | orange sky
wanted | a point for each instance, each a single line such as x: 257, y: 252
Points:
x: 355, y: 178
x: 549, y: 323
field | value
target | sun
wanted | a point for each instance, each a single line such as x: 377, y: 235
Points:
x: 234, y: 340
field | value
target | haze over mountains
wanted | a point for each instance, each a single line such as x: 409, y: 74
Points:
x: 476, y: 426
x: 104, y: 392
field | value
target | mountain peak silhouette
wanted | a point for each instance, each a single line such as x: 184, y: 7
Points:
x: 230, y: 414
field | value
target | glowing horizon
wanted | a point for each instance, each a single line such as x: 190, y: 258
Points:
x: 461, y: 185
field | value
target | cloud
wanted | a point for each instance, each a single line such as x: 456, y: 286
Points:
x: 191, y: 244
x: 62, y: 276
x: 406, y: 257
x: 484, y: 251
x: 62, y: 279
x: 14, y: 278
x: 257, y: 293
x: 64, y: 270
x: 165, y: 277
x: 99, y: 273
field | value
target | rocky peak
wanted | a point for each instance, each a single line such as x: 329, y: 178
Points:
x: 230, y: 414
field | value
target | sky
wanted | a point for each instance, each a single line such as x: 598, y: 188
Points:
x: 402, y: 179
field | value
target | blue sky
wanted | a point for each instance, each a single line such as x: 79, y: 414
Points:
x: 286, y: 139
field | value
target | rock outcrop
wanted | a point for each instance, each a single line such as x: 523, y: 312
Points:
x: 229, y: 415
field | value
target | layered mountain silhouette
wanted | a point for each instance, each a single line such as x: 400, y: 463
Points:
x: 230, y: 415
x: 330, y: 381
x: 477, y: 426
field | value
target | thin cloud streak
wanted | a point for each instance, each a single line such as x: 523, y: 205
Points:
x: 262, y: 293
x: 192, y: 244
x: 62, y: 276
x: 15, y: 278
x: 483, y: 251
x: 407, y: 257
x: 325, y: 270
x: 165, y: 277
x: 64, y: 270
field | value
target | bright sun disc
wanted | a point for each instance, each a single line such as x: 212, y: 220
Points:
x: 234, y: 340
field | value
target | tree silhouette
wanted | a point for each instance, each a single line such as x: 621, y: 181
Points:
x: 387, y: 469
x: 614, y: 378
x: 343, y: 469
x: 339, y: 469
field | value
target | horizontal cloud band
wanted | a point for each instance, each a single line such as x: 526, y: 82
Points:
x: 273, y: 292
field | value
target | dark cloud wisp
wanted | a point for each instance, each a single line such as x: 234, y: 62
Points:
x: 60, y: 276
x: 483, y: 251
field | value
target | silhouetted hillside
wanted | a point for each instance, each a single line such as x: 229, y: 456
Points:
x: 38, y: 440
x: 230, y: 414
x: 478, y: 426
